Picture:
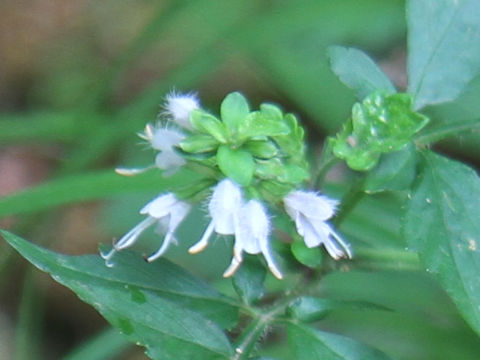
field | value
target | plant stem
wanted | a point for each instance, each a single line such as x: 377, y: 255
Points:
x: 327, y: 161
x: 247, y: 340
x: 350, y: 200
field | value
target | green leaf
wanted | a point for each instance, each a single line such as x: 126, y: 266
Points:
x: 257, y: 124
x: 237, y: 164
x: 275, y: 169
x: 233, y: 110
x: 356, y: 70
x: 87, y: 187
x: 263, y: 149
x: 443, y: 48
x: 310, y: 308
x: 208, y: 124
x: 248, y: 280
x: 311, y: 257
x: 308, y: 343
x: 199, y: 144
x: 395, y: 171
x: 443, y: 224
x: 271, y: 111
x: 156, y: 305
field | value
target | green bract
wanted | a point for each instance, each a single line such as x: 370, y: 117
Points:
x: 382, y: 123
x: 250, y: 147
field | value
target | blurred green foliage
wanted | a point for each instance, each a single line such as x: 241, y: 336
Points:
x: 97, y: 85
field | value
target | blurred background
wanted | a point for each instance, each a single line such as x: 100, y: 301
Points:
x: 78, y: 80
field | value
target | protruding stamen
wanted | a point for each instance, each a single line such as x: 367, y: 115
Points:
x: 129, y: 238
x: 232, y: 268
x: 166, y: 243
x: 202, y: 244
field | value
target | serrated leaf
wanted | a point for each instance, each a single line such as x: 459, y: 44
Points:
x: 443, y: 48
x: 443, y: 224
x: 395, y: 171
x: 237, y: 164
x: 233, y: 110
x: 156, y: 305
x: 308, y: 343
x: 356, y: 70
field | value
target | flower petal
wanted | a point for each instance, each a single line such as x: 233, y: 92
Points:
x: 179, y: 107
x: 310, y: 204
x: 165, y: 139
x: 169, y: 159
x: 224, y: 205
x: 160, y: 206
x: 202, y: 244
x: 169, y: 238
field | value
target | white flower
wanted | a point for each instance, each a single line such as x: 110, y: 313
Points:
x: 179, y: 107
x: 167, y: 212
x: 163, y: 140
x: 248, y: 222
x: 252, y: 230
x: 223, y: 208
x: 310, y: 213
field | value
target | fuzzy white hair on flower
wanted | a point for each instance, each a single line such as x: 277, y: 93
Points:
x: 163, y: 140
x: 252, y: 231
x: 223, y: 207
x: 167, y: 212
x: 179, y: 106
x: 310, y: 212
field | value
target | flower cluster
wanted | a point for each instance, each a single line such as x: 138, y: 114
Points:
x: 257, y: 160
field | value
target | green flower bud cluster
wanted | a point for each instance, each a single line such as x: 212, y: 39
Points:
x: 261, y: 150
x: 382, y: 123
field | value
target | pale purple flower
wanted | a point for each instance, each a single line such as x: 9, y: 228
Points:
x: 167, y: 212
x: 252, y: 231
x: 310, y: 212
x: 179, y: 107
